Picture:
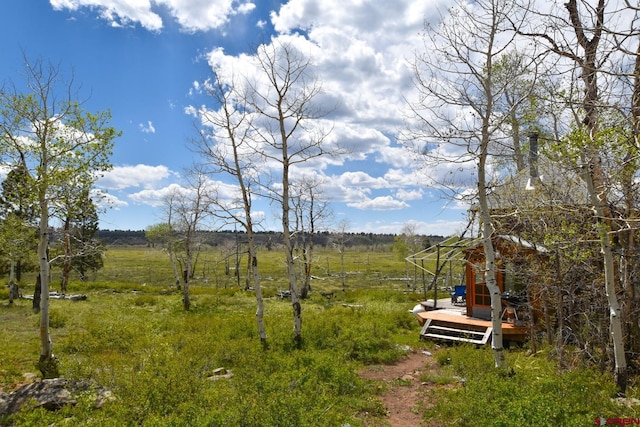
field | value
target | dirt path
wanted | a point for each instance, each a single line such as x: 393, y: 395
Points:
x: 405, y: 393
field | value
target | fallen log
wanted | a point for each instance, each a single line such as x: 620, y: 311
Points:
x: 57, y: 295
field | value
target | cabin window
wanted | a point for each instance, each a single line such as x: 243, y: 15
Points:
x: 478, y: 272
x: 515, y: 277
x: 481, y: 292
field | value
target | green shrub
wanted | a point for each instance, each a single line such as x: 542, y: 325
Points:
x: 531, y: 392
x: 57, y: 318
x: 142, y: 300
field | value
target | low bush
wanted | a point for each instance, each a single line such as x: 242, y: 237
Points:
x: 531, y: 392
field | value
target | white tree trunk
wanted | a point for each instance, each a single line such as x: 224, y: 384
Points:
x: 258, y: 288
x: 615, y: 316
x: 186, y: 297
x: 174, y: 267
x: 599, y: 201
x: 288, y: 247
x: 293, y: 284
x: 13, y: 287
x: 490, y: 266
x: 47, y: 363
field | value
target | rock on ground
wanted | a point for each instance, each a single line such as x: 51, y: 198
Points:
x: 51, y: 394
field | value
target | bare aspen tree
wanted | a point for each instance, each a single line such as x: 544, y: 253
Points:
x: 588, y: 50
x: 287, y: 127
x: 226, y: 148
x: 164, y: 234
x: 190, y: 207
x: 310, y: 212
x: 340, y: 243
x: 168, y: 233
x: 625, y: 40
x: 457, y: 112
x: 45, y: 130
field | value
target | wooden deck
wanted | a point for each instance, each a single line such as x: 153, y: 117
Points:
x: 449, y: 322
x: 445, y: 315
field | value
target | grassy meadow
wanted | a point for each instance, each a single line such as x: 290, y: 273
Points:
x: 133, y: 337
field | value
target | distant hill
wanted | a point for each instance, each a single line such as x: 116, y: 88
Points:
x: 264, y: 239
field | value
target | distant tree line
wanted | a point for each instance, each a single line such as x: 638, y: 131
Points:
x: 269, y: 240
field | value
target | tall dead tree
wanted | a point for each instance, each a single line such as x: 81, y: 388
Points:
x: 226, y: 147
x: 310, y: 211
x: 457, y: 110
x: 287, y: 127
x: 190, y: 209
x: 588, y: 53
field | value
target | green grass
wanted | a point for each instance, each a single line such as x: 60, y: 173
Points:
x: 132, y: 336
x: 156, y: 358
x: 531, y: 392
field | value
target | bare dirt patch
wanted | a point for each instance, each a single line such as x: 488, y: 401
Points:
x: 405, y: 396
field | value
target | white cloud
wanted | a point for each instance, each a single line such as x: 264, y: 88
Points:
x: 191, y: 15
x: 397, y: 157
x: 414, y: 194
x: 121, y: 177
x: 117, y: 12
x: 362, y: 179
x: 382, y: 203
x: 4, y: 171
x: 401, y: 178
x: 225, y: 194
x: 155, y: 197
x: 205, y: 15
x: 369, y: 43
x: 148, y: 128
x: 105, y: 200
x: 246, y: 8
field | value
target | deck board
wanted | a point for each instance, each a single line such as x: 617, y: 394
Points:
x: 447, y: 316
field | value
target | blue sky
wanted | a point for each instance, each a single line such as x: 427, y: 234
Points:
x: 142, y: 58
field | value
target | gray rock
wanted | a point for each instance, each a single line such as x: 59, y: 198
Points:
x: 51, y: 394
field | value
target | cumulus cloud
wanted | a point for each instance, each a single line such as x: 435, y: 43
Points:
x: 362, y: 179
x: 105, y: 200
x: 121, y: 177
x: 359, y: 51
x: 205, y: 15
x: 414, y: 194
x: 4, y: 171
x: 382, y: 203
x: 191, y: 15
x: 117, y: 13
x: 156, y: 197
x: 431, y: 228
x: 225, y: 195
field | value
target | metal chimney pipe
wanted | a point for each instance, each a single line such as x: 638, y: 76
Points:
x: 533, y: 155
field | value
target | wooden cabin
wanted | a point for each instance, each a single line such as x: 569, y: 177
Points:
x: 544, y: 191
x: 471, y: 320
x: 513, y: 276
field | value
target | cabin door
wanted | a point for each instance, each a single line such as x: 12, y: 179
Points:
x: 478, y: 296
